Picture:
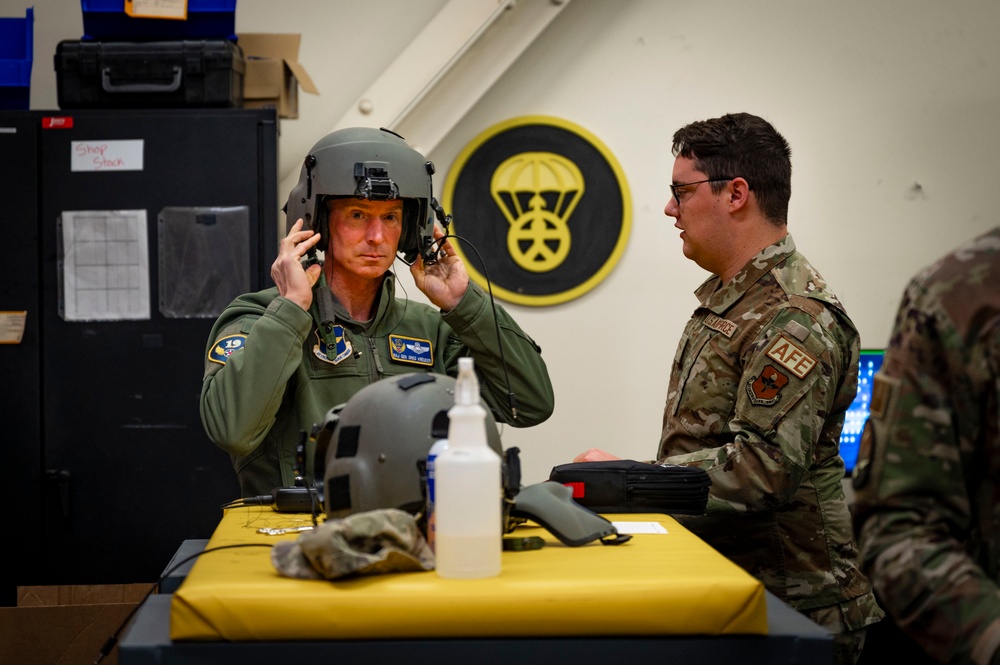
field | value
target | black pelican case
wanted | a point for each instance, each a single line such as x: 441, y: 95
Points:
x: 166, y: 74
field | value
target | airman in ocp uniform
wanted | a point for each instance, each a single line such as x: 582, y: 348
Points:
x: 928, y: 474
x: 765, y: 370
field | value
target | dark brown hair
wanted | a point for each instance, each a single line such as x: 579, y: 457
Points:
x: 742, y: 145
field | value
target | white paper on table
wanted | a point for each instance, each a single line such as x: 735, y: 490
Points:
x: 640, y: 527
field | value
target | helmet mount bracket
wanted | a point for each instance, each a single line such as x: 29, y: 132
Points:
x: 374, y: 182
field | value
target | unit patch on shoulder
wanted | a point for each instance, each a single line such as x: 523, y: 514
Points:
x: 342, y: 347
x: 411, y: 350
x: 883, y: 388
x: 225, y: 347
x: 791, y: 356
x: 765, y: 389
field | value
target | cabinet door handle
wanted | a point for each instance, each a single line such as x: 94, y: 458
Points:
x: 60, y: 477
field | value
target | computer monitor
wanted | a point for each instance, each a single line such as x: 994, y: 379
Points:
x: 857, y: 414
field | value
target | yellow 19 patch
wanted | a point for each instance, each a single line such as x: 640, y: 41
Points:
x: 225, y: 347
x: 791, y: 356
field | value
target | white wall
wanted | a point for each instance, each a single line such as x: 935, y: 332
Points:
x: 890, y: 109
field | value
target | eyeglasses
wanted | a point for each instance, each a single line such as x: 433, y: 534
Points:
x: 677, y: 194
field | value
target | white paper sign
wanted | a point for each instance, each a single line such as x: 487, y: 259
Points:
x: 106, y: 155
x: 105, y: 265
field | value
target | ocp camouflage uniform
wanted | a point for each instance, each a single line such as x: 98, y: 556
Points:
x: 928, y: 476
x: 763, y: 375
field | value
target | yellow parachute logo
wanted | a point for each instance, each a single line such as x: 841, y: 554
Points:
x: 537, y: 193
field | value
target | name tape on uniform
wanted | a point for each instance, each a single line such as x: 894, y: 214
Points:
x: 724, y: 326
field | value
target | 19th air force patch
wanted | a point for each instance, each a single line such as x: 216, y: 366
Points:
x: 225, y: 347
x: 546, y: 205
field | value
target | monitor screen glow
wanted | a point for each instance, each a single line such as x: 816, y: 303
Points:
x: 857, y: 414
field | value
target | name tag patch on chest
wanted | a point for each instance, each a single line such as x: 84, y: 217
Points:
x: 341, y: 350
x: 724, y: 326
x: 225, y: 347
x: 410, y: 350
x: 791, y: 356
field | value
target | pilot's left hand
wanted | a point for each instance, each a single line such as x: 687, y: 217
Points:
x: 445, y: 282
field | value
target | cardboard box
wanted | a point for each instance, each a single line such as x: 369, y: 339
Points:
x: 65, y: 624
x: 273, y: 74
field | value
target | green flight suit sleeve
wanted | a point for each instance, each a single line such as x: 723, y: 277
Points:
x: 241, y: 393
x: 476, y: 323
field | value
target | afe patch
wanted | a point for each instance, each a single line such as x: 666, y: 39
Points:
x: 341, y: 351
x: 411, y: 350
x: 226, y: 347
x: 791, y: 356
x: 765, y: 388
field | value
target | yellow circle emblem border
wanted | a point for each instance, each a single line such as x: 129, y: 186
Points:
x: 626, y: 222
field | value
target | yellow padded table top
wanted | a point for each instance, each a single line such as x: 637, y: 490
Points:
x: 656, y: 584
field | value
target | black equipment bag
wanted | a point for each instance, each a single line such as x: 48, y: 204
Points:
x: 627, y: 486
x: 178, y: 74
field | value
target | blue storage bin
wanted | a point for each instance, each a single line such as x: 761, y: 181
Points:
x: 106, y: 20
x: 16, y: 47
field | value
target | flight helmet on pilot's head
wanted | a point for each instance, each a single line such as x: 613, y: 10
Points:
x: 365, y: 163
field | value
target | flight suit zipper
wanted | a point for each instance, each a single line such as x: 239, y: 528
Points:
x: 375, y: 358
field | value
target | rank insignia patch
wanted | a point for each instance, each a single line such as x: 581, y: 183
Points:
x: 342, y: 347
x: 225, y: 347
x: 765, y: 389
x: 410, y: 350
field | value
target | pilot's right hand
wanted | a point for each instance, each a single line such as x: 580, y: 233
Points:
x: 293, y: 280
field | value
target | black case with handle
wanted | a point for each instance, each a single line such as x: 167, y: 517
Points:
x: 628, y: 486
x: 163, y: 74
